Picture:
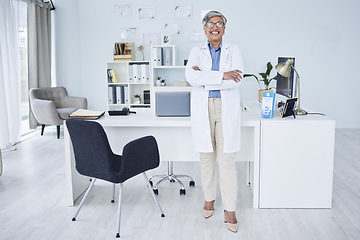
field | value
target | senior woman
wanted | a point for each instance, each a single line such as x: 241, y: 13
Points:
x: 214, y: 71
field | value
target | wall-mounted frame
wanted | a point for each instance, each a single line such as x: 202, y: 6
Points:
x: 122, y: 10
x: 172, y: 29
x: 146, y: 13
x: 183, y: 11
x: 151, y: 38
x: 127, y: 33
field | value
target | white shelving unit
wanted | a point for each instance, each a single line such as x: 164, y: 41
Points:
x: 163, y: 65
x: 133, y: 79
x: 130, y: 75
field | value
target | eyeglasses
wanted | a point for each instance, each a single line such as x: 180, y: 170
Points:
x: 218, y: 24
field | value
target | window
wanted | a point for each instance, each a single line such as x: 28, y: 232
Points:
x: 23, y: 66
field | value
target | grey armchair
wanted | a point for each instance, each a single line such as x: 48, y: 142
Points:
x: 52, y: 105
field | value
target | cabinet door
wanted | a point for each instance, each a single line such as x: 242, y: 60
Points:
x: 296, y: 163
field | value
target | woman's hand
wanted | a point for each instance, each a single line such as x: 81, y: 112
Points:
x: 196, y: 68
x: 234, y: 75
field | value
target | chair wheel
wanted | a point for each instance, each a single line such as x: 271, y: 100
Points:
x: 117, y: 235
x: 182, y: 192
x: 156, y: 191
x: 192, y: 184
x: 172, y: 180
x: 151, y: 183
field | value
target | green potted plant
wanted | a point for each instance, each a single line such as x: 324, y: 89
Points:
x: 265, y: 79
x: 137, y: 99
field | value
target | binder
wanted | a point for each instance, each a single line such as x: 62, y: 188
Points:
x: 122, y: 97
x: 167, y: 57
x: 135, y: 73
x: 159, y: 56
x: 154, y: 56
x: 110, y: 95
x: 131, y: 75
x: 143, y: 73
x: 118, y: 94
x: 139, y: 73
x: 147, y: 74
x: 126, y: 94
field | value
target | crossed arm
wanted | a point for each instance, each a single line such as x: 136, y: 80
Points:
x: 235, y: 75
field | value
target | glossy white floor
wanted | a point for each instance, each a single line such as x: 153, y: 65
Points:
x: 32, y: 202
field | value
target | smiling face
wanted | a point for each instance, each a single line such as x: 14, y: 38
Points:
x: 215, y: 33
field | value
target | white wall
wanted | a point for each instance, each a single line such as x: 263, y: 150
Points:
x: 322, y: 35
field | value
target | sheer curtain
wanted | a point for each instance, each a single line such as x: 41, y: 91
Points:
x: 39, y: 48
x: 10, y: 90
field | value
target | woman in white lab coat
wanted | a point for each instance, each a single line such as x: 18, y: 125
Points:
x: 214, y: 71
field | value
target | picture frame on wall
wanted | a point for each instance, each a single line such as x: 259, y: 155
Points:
x: 172, y: 29
x: 183, y: 11
x: 151, y: 38
x: 146, y: 13
x: 122, y: 10
x: 128, y: 33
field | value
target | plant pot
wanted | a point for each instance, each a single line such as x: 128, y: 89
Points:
x: 261, y: 91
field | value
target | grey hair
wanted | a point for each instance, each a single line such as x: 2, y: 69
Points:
x: 211, y: 14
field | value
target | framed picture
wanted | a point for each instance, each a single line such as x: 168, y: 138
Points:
x: 183, y: 11
x: 288, y: 108
x: 172, y: 29
x: 151, y: 38
x: 146, y: 13
x: 127, y: 33
x: 122, y: 10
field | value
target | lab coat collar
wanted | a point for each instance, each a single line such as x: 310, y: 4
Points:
x: 225, y: 45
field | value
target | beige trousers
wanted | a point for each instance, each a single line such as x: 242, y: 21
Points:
x: 226, y: 163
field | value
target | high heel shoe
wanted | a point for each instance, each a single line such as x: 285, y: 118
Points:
x: 208, y: 213
x: 233, y: 227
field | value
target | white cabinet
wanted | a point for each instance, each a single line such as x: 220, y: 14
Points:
x: 125, y: 80
x: 296, y: 162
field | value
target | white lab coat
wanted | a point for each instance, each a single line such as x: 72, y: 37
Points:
x: 204, y: 80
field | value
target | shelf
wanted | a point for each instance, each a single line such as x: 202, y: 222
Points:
x: 171, y: 88
x: 169, y: 67
x: 118, y: 84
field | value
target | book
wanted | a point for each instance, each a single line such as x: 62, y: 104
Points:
x: 114, y: 76
x: 86, y: 114
x: 147, y: 96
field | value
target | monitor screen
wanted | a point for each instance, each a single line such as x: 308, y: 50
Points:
x: 286, y: 85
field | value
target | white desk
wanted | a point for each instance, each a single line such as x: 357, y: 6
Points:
x: 174, y: 140
x: 291, y: 160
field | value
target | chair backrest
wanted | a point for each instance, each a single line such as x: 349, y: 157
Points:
x: 49, y: 93
x: 93, y: 154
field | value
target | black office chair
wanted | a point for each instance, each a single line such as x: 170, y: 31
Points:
x: 94, y: 158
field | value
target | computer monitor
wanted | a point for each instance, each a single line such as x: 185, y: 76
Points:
x: 286, y: 86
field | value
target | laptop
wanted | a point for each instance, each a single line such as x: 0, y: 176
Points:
x: 172, y: 104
